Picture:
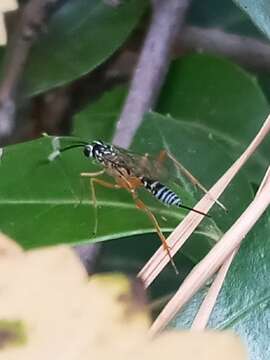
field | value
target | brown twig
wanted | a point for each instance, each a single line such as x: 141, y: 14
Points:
x: 167, y: 20
x: 182, y: 232
x: 32, y: 17
x: 247, y: 51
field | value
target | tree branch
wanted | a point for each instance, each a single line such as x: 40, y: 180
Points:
x: 167, y: 20
x: 31, y: 19
x: 247, y: 51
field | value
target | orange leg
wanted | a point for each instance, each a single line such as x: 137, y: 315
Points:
x: 165, y: 154
x: 103, y: 183
x: 162, y: 156
x: 131, y: 185
x: 139, y: 203
x: 90, y: 174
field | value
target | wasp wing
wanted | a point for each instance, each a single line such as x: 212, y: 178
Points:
x: 141, y: 164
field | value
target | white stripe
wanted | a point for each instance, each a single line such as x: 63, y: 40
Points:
x: 172, y: 199
x: 177, y: 201
x: 153, y: 185
x: 168, y: 200
x: 164, y: 196
x: 160, y: 191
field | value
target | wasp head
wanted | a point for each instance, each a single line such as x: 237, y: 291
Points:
x: 98, y: 150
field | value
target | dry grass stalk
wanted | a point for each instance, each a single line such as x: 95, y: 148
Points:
x: 202, y: 317
x: 215, y: 258
x: 208, y: 304
x: 182, y: 232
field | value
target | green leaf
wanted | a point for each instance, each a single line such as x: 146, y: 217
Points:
x: 258, y: 11
x: 81, y: 35
x: 47, y: 203
x: 216, y: 95
x: 199, y: 153
x: 97, y: 120
x: 244, y: 302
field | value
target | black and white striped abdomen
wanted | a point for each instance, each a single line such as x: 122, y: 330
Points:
x: 161, y: 192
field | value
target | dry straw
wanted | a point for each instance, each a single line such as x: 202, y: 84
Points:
x: 206, y: 308
x: 221, y: 254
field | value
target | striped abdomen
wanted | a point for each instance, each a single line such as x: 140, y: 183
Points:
x: 161, y: 192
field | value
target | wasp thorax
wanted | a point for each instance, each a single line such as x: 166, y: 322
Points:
x: 98, y: 150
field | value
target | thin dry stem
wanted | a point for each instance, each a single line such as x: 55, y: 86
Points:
x: 178, y: 237
x: 214, y: 259
x: 266, y: 179
x: 206, y: 308
x: 193, y: 180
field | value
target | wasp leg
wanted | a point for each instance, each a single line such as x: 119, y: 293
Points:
x: 162, y: 156
x: 92, y: 174
x: 140, y: 204
x: 94, y: 198
x: 103, y: 183
x: 88, y: 174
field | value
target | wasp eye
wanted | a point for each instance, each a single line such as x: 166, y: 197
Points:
x: 88, y: 150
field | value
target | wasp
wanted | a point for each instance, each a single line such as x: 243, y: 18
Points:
x: 132, y: 171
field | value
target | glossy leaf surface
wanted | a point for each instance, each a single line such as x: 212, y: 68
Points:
x: 218, y: 96
x: 97, y: 120
x: 47, y: 203
x: 81, y: 35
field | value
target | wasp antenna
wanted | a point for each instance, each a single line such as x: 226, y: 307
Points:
x: 57, y: 150
x: 194, y: 210
x: 73, y: 146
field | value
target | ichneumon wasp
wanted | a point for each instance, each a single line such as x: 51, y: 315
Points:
x: 131, y: 172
